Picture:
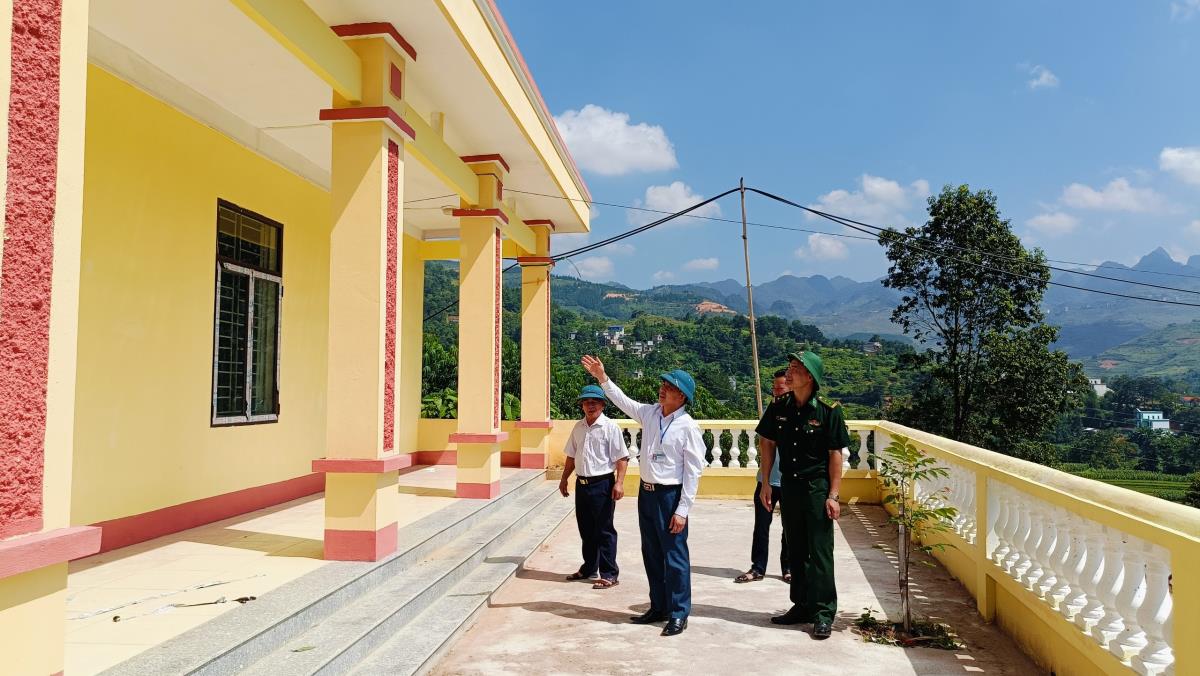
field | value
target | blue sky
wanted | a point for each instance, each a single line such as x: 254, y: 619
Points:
x: 1082, y: 117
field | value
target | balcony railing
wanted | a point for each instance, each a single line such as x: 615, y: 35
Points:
x: 1103, y: 568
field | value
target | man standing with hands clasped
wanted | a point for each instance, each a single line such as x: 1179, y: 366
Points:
x: 808, y: 434
x: 672, y: 459
x: 596, y: 453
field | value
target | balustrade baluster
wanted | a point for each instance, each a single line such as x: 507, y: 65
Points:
x: 1032, y: 571
x: 1001, y: 524
x: 1111, y: 623
x: 1133, y: 594
x: 1093, y: 573
x: 1018, y: 560
x: 1155, y: 616
x: 862, y: 448
x: 1048, y: 554
x: 1060, y: 560
x: 972, y: 526
x: 752, y: 449
x: 1069, y: 595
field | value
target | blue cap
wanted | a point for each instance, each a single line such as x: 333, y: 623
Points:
x: 682, y: 380
x: 592, y: 392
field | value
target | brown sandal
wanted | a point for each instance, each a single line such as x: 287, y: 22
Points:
x: 605, y: 584
x: 749, y: 576
x: 577, y: 575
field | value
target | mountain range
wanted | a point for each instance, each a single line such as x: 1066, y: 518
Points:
x: 1092, y: 323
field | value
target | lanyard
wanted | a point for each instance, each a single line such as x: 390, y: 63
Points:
x: 662, y: 431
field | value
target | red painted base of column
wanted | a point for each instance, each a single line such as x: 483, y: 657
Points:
x: 435, y: 457
x: 481, y: 491
x: 510, y: 458
x: 360, y: 545
x: 533, y: 461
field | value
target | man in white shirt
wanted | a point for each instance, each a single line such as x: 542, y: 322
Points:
x: 596, y: 453
x: 672, y: 459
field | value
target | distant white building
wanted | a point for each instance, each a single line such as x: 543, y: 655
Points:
x: 1099, y: 386
x: 1153, y: 420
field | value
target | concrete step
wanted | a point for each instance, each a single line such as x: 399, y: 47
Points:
x: 418, y: 645
x: 340, y: 641
x: 239, y: 638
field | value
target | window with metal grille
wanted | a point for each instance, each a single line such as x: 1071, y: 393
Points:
x: 246, y: 319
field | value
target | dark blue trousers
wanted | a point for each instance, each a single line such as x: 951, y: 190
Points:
x: 762, y: 533
x: 665, y: 554
x: 594, y: 506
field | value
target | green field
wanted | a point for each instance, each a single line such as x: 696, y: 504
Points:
x: 1166, y: 486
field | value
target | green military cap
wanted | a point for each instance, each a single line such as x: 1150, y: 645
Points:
x: 811, y: 362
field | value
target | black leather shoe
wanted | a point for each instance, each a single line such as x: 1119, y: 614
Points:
x: 822, y: 630
x: 792, y: 616
x: 649, y: 617
x: 675, y: 625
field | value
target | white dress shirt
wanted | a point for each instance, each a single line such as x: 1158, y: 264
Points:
x: 672, y: 448
x: 596, y: 447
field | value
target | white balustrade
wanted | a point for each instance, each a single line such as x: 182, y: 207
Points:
x: 1112, y: 586
x: 1129, y: 601
x: 1093, y: 572
x: 1048, y: 553
x: 1031, y: 569
x: 1155, y: 616
x: 1110, y: 624
x: 1003, y: 512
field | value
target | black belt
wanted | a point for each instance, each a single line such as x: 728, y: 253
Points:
x: 585, y: 480
x: 647, y: 486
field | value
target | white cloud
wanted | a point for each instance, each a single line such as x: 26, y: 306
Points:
x: 663, y: 276
x: 1056, y: 223
x: 671, y: 198
x: 602, y: 141
x: 595, y: 268
x: 823, y: 247
x: 1178, y: 253
x: 1184, y: 163
x: 1118, y: 195
x: 621, y: 249
x: 1184, y: 9
x: 1193, y: 228
x: 702, y: 264
x: 879, y: 201
x: 1043, y: 78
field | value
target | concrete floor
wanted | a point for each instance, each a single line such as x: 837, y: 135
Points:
x: 540, y: 624
x: 247, y: 555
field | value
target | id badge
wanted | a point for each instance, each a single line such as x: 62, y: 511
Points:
x: 657, y: 456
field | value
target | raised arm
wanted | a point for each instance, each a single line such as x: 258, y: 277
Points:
x: 636, y: 410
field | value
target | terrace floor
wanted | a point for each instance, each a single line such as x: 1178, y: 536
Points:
x: 537, y: 623
x: 146, y: 585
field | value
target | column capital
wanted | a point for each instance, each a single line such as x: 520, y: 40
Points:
x: 544, y: 222
x: 494, y: 158
x: 497, y: 214
x: 535, y: 261
x: 376, y: 29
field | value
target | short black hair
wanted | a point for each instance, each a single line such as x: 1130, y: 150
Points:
x: 781, y: 373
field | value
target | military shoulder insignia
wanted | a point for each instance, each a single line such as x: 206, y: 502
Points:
x: 828, y: 402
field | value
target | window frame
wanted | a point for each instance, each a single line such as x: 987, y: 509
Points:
x: 253, y: 274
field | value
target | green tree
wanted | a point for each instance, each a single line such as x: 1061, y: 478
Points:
x: 1193, y: 495
x: 972, y: 292
x: 1107, y: 449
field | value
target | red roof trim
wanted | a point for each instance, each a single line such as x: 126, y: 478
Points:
x: 474, y: 213
x: 494, y: 157
x: 368, y: 113
x: 372, y: 29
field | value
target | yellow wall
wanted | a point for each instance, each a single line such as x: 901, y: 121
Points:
x: 144, y: 387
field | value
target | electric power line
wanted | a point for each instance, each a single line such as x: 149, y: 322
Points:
x: 1096, y: 266
x: 853, y: 225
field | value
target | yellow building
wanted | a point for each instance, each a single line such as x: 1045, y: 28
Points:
x: 217, y: 218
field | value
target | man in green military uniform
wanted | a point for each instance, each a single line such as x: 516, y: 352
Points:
x: 806, y: 434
